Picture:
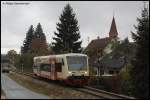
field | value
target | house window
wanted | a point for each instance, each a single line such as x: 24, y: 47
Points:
x: 102, y: 72
x: 100, y: 52
x: 117, y: 72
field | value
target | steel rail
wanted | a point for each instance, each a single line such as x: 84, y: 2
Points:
x: 108, y: 95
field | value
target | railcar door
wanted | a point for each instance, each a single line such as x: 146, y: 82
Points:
x: 53, y: 73
x: 38, y: 69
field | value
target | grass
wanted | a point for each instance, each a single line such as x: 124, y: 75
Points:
x: 25, y: 70
x: 53, y: 90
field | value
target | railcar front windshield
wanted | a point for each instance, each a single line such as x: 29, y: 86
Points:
x: 77, y: 63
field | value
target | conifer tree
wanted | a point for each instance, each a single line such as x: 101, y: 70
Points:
x: 140, y: 70
x: 68, y: 35
x: 39, y: 32
x: 29, y: 36
x: 39, y: 45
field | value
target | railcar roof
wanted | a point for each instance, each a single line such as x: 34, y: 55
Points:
x: 60, y: 55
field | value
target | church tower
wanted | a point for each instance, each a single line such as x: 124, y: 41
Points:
x: 113, y: 30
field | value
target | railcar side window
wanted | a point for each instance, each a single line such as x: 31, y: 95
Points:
x: 45, y: 67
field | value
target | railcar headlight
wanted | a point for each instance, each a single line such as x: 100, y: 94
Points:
x: 85, y: 72
x: 69, y: 72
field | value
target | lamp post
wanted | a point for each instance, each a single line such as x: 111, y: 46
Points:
x: 21, y: 64
x: 99, y: 69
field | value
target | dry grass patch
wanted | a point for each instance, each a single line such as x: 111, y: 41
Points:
x: 53, y: 90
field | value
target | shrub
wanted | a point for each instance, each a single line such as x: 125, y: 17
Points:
x: 27, y: 61
x: 99, y: 82
x: 126, y: 86
x: 24, y: 61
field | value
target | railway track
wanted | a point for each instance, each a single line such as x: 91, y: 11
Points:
x: 93, y: 91
x: 104, y: 94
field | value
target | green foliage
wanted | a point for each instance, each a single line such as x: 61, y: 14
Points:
x: 91, y: 71
x: 50, y: 50
x: 26, y: 62
x: 39, y: 32
x: 89, y: 53
x: 39, y: 45
x: 98, y: 82
x: 140, y: 70
x: 11, y: 55
x: 124, y: 49
x: 29, y: 36
x: 126, y: 86
x: 34, y: 45
x: 66, y: 39
x: 17, y: 63
x: 35, y: 42
x: 115, y: 44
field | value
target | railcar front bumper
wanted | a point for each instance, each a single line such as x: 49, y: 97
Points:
x: 77, y: 80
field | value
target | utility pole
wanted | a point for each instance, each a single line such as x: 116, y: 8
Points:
x: 22, y: 68
x: 22, y: 65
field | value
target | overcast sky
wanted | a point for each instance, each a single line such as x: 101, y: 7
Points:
x: 94, y: 19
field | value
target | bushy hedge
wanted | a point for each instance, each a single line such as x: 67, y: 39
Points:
x: 99, y: 82
x: 24, y: 62
x: 108, y: 83
x: 126, y: 85
x: 17, y: 63
x: 121, y: 83
x: 27, y: 62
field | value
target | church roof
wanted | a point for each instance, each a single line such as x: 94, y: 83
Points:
x: 113, y: 30
x: 98, y: 44
x: 102, y: 43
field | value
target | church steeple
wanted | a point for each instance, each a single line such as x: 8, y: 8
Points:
x: 113, y: 30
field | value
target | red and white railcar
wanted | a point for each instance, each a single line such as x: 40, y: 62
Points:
x: 71, y: 68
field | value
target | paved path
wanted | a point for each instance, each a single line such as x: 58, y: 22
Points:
x: 15, y: 91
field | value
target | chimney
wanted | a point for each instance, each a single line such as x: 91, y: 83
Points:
x: 98, y: 37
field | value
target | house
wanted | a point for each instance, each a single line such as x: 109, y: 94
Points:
x: 119, y: 59
x: 100, y: 47
x: 112, y: 65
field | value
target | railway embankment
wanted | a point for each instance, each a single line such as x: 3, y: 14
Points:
x: 55, y: 91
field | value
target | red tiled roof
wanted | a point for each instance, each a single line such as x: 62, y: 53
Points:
x: 98, y: 44
x: 102, y: 43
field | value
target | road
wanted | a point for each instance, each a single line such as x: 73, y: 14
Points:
x: 15, y: 91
